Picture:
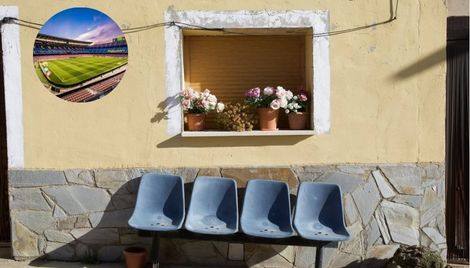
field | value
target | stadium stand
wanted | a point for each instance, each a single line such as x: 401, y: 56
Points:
x: 79, y: 96
x: 107, y: 84
x: 79, y: 71
x: 94, y: 91
x: 51, y: 45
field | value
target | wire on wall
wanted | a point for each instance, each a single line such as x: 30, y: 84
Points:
x: 37, y: 26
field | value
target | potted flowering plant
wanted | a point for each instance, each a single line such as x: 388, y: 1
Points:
x: 296, y: 110
x: 268, y: 102
x: 196, y: 105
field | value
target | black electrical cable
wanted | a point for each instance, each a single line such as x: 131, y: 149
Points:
x: 147, y: 27
x: 32, y: 25
x: 29, y: 22
x: 36, y: 26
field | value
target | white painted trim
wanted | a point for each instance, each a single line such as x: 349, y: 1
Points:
x: 13, y: 89
x: 321, y: 75
x: 317, y: 20
x: 173, y: 76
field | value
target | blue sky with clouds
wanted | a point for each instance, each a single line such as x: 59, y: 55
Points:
x: 83, y: 24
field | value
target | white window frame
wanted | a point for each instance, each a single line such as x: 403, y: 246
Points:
x: 318, y: 21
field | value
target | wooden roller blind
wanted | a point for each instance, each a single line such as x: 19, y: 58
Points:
x: 230, y: 65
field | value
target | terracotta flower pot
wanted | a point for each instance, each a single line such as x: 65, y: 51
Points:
x: 267, y: 119
x: 297, y: 120
x: 195, y: 121
x: 136, y: 257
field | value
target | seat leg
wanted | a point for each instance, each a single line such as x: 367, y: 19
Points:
x: 155, y: 249
x: 319, y: 257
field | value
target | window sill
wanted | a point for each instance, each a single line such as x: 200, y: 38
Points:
x: 253, y: 133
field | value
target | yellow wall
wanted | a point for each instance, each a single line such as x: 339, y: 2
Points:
x: 387, y: 94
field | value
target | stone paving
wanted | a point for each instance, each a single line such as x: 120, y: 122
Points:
x: 82, y: 214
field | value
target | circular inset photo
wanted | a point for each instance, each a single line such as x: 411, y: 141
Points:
x: 80, y: 55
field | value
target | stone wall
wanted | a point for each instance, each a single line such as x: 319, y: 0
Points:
x: 82, y: 214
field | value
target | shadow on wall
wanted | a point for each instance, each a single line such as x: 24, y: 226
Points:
x: 110, y: 234
x: 197, y: 142
x: 421, y: 65
x: 163, y: 107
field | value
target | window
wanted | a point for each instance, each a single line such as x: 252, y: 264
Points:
x: 266, y: 48
x: 229, y: 65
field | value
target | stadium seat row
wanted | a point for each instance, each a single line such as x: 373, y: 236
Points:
x: 213, y: 208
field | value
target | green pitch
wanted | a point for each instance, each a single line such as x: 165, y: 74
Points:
x: 67, y: 72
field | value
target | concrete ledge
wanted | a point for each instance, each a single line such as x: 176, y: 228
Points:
x: 247, y: 133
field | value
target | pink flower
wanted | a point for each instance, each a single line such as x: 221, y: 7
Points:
x: 253, y: 93
x: 205, y: 104
x: 190, y: 93
x: 186, y: 103
x: 302, y: 97
x: 206, y: 93
x: 275, y: 104
x: 268, y: 91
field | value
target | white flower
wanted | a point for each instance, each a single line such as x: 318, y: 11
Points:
x: 220, y: 107
x: 287, y: 111
x: 283, y: 102
x: 268, y: 91
x: 275, y: 104
x: 280, y: 92
x: 212, y: 99
x: 289, y: 94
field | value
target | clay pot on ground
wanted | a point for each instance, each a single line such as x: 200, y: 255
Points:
x: 267, y: 119
x: 195, y: 121
x: 297, y: 121
x: 136, y: 257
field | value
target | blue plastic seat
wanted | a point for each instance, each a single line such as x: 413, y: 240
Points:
x: 214, y: 207
x: 319, y: 212
x: 266, y: 209
x: 160, y: 203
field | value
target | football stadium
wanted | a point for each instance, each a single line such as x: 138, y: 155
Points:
x: 79, y: 71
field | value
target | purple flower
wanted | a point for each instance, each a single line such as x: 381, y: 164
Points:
x: 253, y: 93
